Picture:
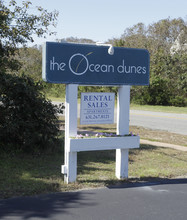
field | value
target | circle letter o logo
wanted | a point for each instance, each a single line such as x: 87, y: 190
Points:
x: 78, y: 64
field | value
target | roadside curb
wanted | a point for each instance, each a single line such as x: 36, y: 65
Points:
x: 159, y: 144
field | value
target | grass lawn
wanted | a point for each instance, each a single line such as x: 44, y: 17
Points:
x: 158, y: 108
x: 23, y: 175
x: 27, y: 175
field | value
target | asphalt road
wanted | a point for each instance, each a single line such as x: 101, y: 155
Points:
x: 175, y: 123
x: 126, y: 202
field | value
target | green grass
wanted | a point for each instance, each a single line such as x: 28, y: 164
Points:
x: 158, y: 108
x: 60, y: 99
x: 28, y: 175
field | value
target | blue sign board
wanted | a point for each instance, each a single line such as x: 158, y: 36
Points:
x: 88, y: 64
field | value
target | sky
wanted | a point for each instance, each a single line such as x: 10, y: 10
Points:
x: 101, y: 20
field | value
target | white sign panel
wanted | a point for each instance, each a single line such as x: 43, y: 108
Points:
x: 97, y: 108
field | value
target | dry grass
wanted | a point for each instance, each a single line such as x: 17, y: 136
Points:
x: 148, y: 134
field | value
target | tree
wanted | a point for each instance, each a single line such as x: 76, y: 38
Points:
x: 168, y: 81
x: 28, y: 122
x: 161, y: 34
x: 17, y: 27
x: 31, y: 62
x: 165, y: 32
x: 77, y: 40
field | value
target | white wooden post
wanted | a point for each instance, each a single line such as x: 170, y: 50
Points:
x: 70, y: 167
x: 123, y: 105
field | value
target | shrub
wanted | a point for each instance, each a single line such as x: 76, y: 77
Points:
x: 28, y: 122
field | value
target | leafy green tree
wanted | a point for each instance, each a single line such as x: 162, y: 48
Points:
x: 17, y: 27
x: 77, y: 40
x: 165, y: 32
x: 168, y: 81
x: 31, y: 62
x: 28, y: 122
x: 161, y: 34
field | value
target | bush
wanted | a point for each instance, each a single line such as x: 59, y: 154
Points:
x: 157, y: 93
x: 28, y: 122
x: 168, y: 82
x: 178, y: 101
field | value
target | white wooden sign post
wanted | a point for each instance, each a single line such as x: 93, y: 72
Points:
x: 123, y: 108
x: 121, y: 144
x: 70, y: 158
x: 83, y: 64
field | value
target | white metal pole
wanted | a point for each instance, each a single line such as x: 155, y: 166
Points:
x: 123, y: 105
x: 70, y: 131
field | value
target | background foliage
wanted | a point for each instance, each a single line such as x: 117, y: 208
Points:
x: 168, y: 69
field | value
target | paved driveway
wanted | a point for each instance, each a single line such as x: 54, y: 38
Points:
x: 151, y: 201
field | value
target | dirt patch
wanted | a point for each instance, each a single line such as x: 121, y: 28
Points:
x: 160, y: 144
